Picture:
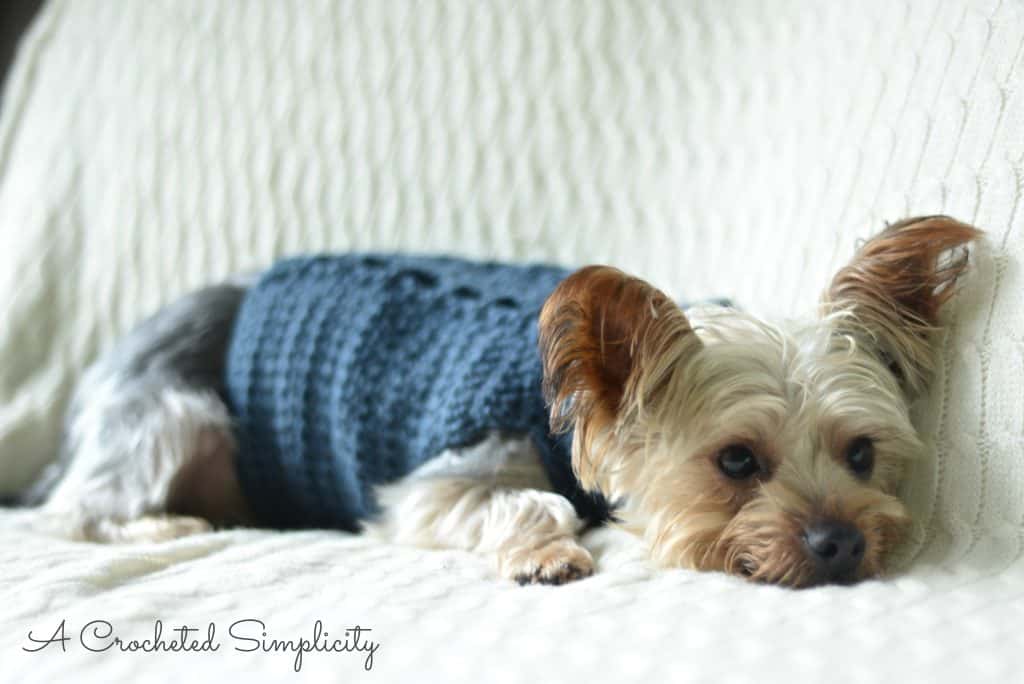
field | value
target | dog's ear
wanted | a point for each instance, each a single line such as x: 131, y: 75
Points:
x: 889, y: 296
x: 608, y: 342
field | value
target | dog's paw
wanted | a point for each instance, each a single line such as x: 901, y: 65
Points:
x: 557, y: 562
x: 560, y: 573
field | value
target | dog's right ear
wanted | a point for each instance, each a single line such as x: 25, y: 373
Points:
x: 609, y: 343
x: 889, y: 296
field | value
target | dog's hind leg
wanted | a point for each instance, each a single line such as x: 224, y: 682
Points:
x: 148, y: 451
x: 488, y: 498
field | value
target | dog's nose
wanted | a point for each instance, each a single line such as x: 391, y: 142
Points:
x: 837, y: 547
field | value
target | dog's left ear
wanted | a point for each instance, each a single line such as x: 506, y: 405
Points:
x: 609, y: 343
x: 889, y: 296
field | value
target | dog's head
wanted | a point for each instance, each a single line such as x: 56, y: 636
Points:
x: 731, y: 444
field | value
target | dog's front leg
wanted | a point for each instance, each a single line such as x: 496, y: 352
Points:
x: 489, y: 499
x: 530, y: 534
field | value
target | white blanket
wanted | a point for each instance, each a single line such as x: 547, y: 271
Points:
x: 716, y: 148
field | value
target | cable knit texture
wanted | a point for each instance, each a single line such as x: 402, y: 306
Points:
x: 734, y: 147
x: 346, y: 372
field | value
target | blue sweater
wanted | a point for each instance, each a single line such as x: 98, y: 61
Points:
x: 349, y: 371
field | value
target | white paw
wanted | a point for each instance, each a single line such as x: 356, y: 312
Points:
x: 557, y: 562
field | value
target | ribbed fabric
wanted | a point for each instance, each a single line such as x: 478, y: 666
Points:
x: 349, y: 371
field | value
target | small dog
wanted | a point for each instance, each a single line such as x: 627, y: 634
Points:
x: 724, y: 442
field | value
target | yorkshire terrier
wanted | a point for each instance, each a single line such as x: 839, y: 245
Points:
x: 501, y: 409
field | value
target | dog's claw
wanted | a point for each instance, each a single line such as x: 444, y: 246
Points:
x: 554, y: 564
x: 561, y: 574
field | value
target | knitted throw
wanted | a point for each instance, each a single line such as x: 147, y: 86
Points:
x: 346, y: 372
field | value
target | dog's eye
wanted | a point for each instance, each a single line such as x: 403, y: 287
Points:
x: 860, y: 456
x: 738, y: 462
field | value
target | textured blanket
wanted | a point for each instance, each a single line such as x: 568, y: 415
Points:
x: 743, y: 147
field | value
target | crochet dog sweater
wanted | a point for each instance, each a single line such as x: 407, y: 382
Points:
x: 346, y: 372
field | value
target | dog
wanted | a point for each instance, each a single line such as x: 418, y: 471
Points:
x: 726, y: 443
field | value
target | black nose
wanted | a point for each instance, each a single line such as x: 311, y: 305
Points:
x: 837, y: 547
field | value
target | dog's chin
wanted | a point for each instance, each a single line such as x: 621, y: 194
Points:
x: 783, y: 565
x: 765, y: 542
x: 788, y: 570
x: 766, y: 549
x: 773, y: 552
x: 801, y: 574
